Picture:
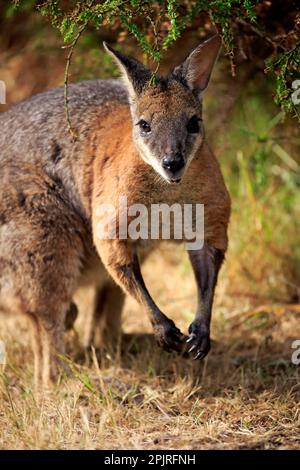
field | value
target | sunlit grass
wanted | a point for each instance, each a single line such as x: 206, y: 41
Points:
x: 260, y: 158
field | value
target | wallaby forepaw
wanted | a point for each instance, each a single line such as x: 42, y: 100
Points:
x: 168, y: 336
x: 199, y: 340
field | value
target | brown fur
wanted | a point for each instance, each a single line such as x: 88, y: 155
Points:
x: 51, y: 188
x: 203, y: 183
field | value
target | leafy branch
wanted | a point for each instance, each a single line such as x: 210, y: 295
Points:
x: 158, y: 24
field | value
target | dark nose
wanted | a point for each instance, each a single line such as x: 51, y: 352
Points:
x: 173, y: 164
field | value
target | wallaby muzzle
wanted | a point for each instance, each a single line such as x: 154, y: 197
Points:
x: 174, y: 166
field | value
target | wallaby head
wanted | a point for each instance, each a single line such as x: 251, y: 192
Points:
x: 167, y: 111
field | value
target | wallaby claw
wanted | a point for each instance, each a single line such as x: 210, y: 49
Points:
x: 168, y: 336
x: 199, y: 337
x: 192, y: 348
x: 200, y: 355
x: 190, y: 338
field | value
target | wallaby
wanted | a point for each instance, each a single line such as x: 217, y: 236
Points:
x: 142, y: 137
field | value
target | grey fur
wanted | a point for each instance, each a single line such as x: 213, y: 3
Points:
x: 46, y: 247
x: 35, y: 131
x: 48, y: 182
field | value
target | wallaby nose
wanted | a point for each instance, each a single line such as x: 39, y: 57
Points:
x: 173, y: 164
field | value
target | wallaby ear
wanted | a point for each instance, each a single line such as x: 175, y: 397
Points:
x: 196, y: 69
x: 136, y: 75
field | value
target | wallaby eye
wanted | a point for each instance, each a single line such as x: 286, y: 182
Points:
x: 145, y: 127
x: 193, y: 125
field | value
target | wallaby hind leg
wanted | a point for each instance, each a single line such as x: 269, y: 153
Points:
x: 105, y: 328
x: 53, y: 349
x: 48, y: 347
x: 37, y: 348
x: 41, y: 251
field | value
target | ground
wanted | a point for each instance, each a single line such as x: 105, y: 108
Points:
x: 245, y: 395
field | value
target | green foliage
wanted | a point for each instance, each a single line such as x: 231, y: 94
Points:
x: 286, y: 66
x: 157, y: 24
x: 260, y: 161
x: 146, y: 20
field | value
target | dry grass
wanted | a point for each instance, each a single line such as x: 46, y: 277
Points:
x: 245, y: 395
